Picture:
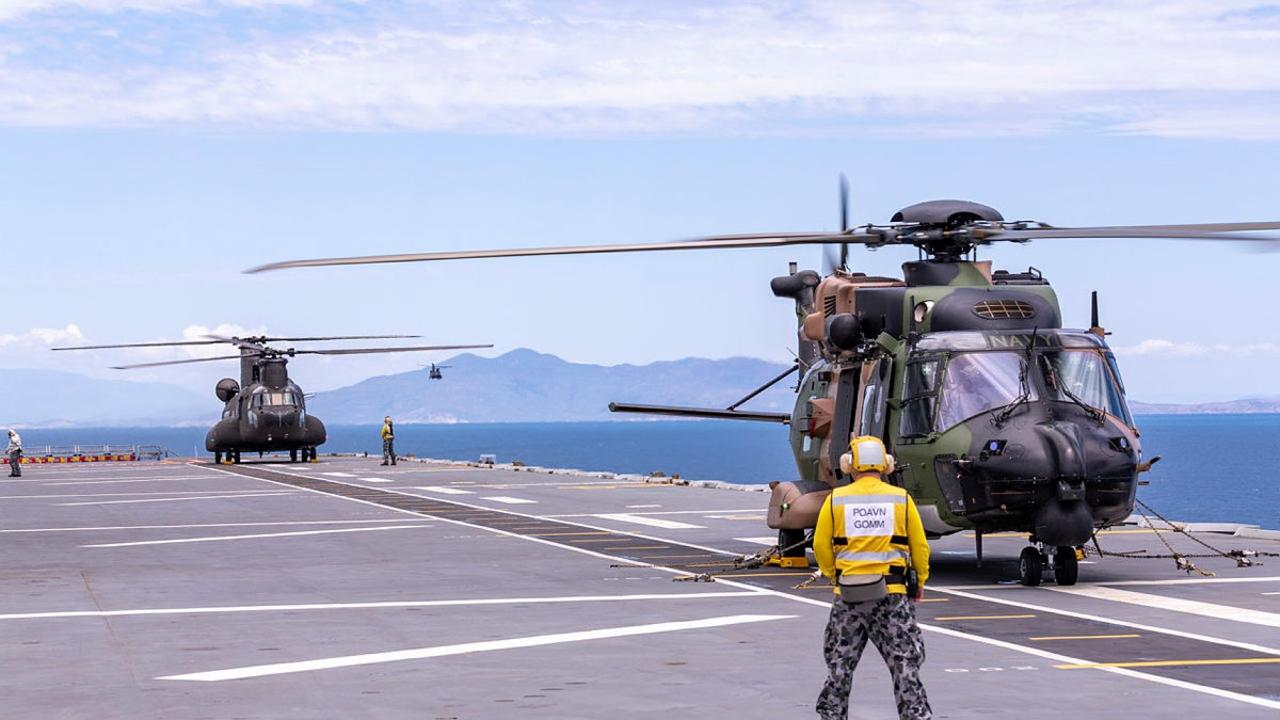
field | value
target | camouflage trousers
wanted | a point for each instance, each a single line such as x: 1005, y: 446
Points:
x: 890, y: 624
x: 388, y: 451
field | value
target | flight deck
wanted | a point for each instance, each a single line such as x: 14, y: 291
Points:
x: 342, y: 588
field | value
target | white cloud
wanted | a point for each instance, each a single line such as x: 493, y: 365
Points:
x: 10, y: 9
x: 1195, y: 68
x: 42, y: 338
x: 1169, y: 348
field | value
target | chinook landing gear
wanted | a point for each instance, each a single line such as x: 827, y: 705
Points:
x: 1064, y: 561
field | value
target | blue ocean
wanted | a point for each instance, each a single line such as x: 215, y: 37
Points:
x: 1215, y: 467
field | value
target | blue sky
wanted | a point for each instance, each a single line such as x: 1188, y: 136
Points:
x: 152, y: 149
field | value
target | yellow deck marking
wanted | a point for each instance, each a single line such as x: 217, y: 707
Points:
x: 1085, y: 637
x: 734, y: 576
x: 984, y: 617
x: 934, y: 600
x: 1171, y: 663
x: 567, y: 534
x: 641, y: 547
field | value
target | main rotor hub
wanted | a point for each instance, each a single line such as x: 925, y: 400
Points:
x: 945, y: 229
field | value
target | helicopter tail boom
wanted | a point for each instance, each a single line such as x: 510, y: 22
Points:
x: 713, y: 413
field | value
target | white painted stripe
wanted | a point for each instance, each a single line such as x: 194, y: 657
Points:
x: 1173, y: 581
x: 338, y: 474
x: 174, y: 499
x: 1162, y: 602
x: 1271, y: 593
x: 1112, y: 621
x: 506, y: 500
x: 669, y: 512
x: 650, y: 521
x: 822, y: 604
x: 472, y: 647
x: 375, y: 480
x: 638, y: 507
x: 122, y: 494
x: 212, y: 525
x: 762, y: 540
x: 445, y: 490
x: 48, y: 483
x: 215, y: 538
x: 376, y: 605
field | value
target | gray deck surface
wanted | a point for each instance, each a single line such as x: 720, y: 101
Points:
x: 499, y: 592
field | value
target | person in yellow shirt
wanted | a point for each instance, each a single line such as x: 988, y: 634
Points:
x: 869, y: 541
x: 388, y: 441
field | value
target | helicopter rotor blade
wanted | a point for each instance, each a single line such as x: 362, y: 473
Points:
x: 140, y: 345
x: 336, y: 337
x: 844, y: 220
x: 751, y: 240
x: 176, y: 362
x: 363, y: 351
x: 1204, y: 231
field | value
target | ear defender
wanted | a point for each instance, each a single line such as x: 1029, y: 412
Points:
x: 846, y: 463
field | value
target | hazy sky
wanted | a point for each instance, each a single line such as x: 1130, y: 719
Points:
x: 152, y: 149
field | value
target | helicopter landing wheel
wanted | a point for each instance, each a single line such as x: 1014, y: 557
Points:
x: 1066, y: 565
x: 1030, y: 567
x: 293, y: 455
x: 217, y: 458
x: 236, y: 457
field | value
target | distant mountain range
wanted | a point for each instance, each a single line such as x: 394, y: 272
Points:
x: 520, y: 386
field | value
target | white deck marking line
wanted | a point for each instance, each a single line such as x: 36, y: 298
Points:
x: 1175, y: 581
x: 125, y: 480
x: 508, y: 500
x: 123, y: 494
x: 1271, y: 593
x: 638, y: 507
x: 1113, y: 621
x: 763, y: 540
x: 67, y: 480
x: 471, y: 647
x: 826, y: 605
x: 443, y: 490
x: 215, y: 538
x: 650, y: 521
x: 664, y: 512
x: 174, y: 499
x: 337, y: 474
x: 374, y: 480
x: 1163, y: 602
x: 388, y: 604
x: 212, y: 525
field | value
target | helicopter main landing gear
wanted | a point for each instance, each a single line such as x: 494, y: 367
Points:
x: 1064, y: 562
x: 217, y: 457
x: 293, y: 455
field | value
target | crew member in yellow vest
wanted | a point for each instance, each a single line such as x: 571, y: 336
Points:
x: 870, y: 542
x: 388, y: 441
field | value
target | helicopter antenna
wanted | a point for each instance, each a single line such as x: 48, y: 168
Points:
x: 1095, y: 327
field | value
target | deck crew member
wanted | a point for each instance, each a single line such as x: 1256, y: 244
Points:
x: 14, y: 451
x: 868, y: 540
x: 388, y: 441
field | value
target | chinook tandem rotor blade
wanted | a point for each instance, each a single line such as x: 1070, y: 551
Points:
x: 180, y: 362
x: 141, y: 345
x: 363, y: 351
x: 754, y: 240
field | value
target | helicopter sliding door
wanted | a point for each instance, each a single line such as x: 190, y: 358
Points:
x: 873, y: 398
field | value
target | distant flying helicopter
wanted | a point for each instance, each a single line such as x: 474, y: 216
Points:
x: 434, y: 373
x: 1000, y: 418
x: 266, y: 411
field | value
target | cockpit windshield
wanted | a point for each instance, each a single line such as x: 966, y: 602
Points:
x: 977, y: 382
x: 1086, y: 376
x: 274, y: 399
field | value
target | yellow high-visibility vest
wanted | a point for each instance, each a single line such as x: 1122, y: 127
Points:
x: 870, y: 527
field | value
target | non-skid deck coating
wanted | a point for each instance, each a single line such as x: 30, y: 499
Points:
x: 347, y: 589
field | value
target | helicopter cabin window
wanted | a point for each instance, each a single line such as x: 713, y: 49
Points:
x: 978, y: 382
x: 274, y: 399
x: 1085, y: 376
x: 872, y: 413
x: 920, y: 396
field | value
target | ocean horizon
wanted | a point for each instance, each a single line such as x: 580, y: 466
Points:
x: 1238, y: 484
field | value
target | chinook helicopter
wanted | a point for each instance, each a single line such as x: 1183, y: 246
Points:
x: 265, y: 411
x: 434, y: 371
x: 1000, y: 418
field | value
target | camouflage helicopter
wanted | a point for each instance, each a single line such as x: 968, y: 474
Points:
x: 265, y: 411
x: 1000, y: 418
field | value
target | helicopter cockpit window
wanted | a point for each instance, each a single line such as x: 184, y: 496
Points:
x: 977, y: 382
x: 274, y: 399
x: 872, y: 417
x: 920, y: 396
x: 1086, y: 376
